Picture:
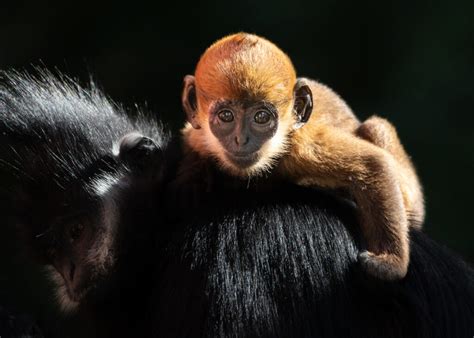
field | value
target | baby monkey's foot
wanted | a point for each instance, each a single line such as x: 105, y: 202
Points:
x: 385, y: 266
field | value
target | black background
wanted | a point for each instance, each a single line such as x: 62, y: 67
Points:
x: 412, y: 63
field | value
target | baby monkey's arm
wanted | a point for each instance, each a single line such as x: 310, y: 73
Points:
x: 328, y: 157
x: 384, y: 135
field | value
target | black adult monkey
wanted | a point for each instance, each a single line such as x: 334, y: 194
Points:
x: 81, y: 181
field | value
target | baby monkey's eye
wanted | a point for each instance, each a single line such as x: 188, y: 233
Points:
x: 226, y: 115
x: 262, y: 117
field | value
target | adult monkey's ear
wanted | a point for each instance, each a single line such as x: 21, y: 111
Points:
x: 303, y: 106
x: 139, y: 152
x: 189, y: 101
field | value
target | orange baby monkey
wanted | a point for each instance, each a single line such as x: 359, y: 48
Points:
x: 247, y: 110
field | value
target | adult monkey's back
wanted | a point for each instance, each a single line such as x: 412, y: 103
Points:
x: 283, y: 263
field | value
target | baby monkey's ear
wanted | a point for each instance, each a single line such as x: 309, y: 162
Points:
x: 138, y: 151
x: 303, y: 102
x: 189, y: 101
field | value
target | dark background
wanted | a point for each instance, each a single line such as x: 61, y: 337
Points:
x: 412, y: 63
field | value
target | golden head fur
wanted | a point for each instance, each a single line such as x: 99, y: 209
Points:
x: 243, y: 66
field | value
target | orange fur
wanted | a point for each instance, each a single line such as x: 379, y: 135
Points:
x: 333, y: 149
x: 223, y: 72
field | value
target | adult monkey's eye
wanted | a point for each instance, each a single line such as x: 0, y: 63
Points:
x: 226, y: 116
x: 76, y: 231
x: 262, y: 117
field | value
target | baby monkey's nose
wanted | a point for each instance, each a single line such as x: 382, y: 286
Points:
x: 241, y: 140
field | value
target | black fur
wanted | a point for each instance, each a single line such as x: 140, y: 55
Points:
x: 57, y: 140
x: 282, y: 262
x: 51, y: 128
x: 18, y: 325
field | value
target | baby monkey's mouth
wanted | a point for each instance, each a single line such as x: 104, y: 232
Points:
x: 242, y: 159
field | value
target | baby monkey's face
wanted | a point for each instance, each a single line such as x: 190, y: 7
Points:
x: 247, y: 132
x: 243, y: 128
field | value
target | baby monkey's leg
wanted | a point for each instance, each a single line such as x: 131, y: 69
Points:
x: 384, y: 135
x: 337, y: 159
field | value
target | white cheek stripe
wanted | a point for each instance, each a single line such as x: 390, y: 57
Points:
x: 103, y: 184
x: 66, y: 304
x: 107, y: 188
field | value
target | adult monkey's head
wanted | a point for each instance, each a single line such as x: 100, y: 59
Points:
x: 243, y: 102
x: 80, y: 182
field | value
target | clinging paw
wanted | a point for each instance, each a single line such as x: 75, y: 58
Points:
x: 387, y: 267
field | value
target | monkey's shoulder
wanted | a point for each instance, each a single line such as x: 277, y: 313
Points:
x: 329, y: 108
